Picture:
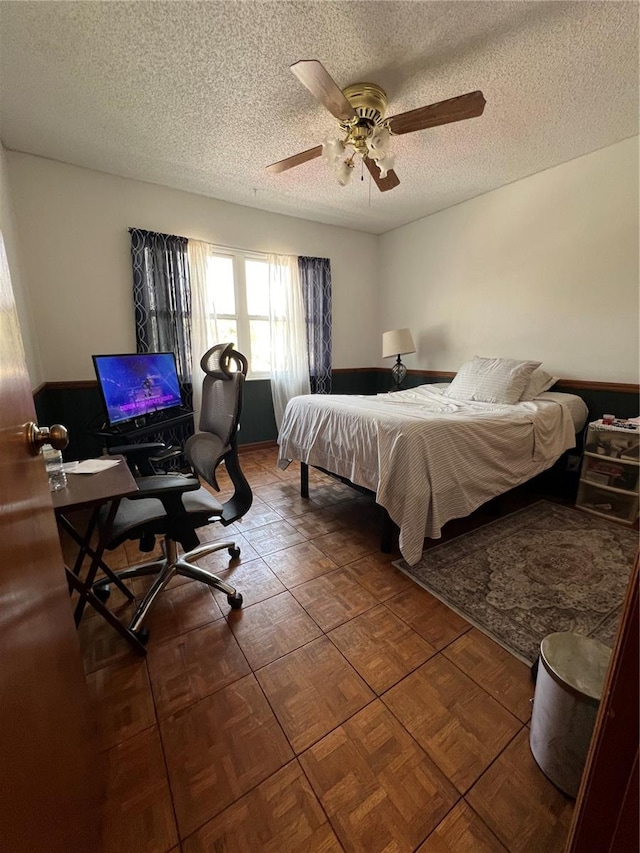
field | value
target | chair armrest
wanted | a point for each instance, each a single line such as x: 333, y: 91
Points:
x: 168, y: 452
x: 139, y: 457
x: 137, y: 449
x: 164, y: 484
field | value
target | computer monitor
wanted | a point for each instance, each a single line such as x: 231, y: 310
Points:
x: 135, y: 385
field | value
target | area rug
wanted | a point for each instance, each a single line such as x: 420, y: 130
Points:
x: 542, y: 569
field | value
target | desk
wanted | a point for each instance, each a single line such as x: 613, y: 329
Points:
x: 94, y: 491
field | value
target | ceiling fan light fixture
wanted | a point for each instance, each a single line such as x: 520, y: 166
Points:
x: 343, y: 170
x: 332, y: 150
x: 385, y: 164
x: 378, y: 142
x: 378, y: 150
x: 333, y: 154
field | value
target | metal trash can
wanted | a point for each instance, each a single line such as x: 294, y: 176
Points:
x: 569, y: 685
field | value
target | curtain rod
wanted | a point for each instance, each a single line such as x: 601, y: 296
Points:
x: 226, y: 248
x: 233, y: 248
x: 206, y: 242
x: 255, y: 251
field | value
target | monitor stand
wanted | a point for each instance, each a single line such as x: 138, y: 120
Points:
x: 147, y: 425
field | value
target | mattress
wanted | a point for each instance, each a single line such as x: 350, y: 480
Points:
x: 576, y: 405
x: 428, y: 458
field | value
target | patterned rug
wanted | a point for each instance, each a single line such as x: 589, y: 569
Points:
x: 542, y: 569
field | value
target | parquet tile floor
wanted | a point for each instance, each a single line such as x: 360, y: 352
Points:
x: 342, y: 709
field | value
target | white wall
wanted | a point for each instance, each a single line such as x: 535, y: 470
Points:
x: 76, y: 252
x: 545, y: 268
x: 12, y: 246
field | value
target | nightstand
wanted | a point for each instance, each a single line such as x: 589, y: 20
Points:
x: 609, y: 474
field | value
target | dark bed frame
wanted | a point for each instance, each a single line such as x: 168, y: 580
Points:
x: 389, y: 530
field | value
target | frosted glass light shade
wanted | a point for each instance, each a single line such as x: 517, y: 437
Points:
x: 343, y: 170
x: 397, y: 342
x: 332, y: 150
x: 385, y: 164
x: 378, y: 143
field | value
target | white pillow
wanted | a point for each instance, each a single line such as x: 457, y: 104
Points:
x: 491, y: 380
x: 539, y: 381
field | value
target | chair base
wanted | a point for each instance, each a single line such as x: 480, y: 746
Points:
x: 165, y: 569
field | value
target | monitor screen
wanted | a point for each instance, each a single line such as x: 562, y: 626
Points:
x: 137, y: 384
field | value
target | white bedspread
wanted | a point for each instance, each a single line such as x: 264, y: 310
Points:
x: 427, y: 458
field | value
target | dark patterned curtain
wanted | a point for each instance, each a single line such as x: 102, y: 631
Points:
x: 162, y: 303
x: 315, y: 281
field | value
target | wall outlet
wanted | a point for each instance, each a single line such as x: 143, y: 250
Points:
x: 573, y: 463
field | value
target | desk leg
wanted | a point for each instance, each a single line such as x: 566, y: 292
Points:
x: 83, y: 541
x: 94, y: 601
x: 95, y: 555
x: 96, y: 559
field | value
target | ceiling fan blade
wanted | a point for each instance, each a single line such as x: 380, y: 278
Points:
x: 383, y: 184
x: 323, y: 87
x: 444, y: 112
x: 296, y: 160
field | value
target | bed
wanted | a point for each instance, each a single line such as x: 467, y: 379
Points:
x: 429, y: 458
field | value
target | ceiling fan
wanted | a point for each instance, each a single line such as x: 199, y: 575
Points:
x: 360, y: 110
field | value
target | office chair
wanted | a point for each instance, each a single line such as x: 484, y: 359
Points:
x: 174, y: 506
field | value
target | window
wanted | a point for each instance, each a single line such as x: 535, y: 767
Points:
x: 238, y: 306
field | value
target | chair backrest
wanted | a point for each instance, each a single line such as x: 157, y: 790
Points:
x: 225, y: 370
x: 222, y: 391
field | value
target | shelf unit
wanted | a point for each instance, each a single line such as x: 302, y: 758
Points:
x: 610, y: 473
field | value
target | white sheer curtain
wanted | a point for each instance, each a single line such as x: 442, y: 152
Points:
x: 289, y: 356
x: 204, y: 323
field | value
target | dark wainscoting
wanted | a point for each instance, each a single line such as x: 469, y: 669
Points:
x: 414, y: 377
x: 77, y: 405
x: 604, y: 397
x: 359, y: 380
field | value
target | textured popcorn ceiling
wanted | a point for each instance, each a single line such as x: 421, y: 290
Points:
x: 199, y: 96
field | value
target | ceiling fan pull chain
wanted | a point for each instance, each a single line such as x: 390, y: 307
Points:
x: 362, y: 169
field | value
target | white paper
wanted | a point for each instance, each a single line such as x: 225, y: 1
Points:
x: 92, y: 466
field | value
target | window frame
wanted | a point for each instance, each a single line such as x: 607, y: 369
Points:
x: 242, y: 317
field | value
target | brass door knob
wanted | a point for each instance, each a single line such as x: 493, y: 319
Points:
x: 57, y: 436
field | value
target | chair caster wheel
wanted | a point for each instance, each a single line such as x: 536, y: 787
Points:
x: 235, y: 600
x: 102, y: 592
x: 234, y: 552
x: 142, y: 634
